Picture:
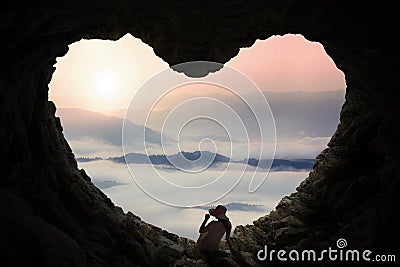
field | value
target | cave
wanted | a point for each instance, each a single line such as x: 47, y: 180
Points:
x: 52, y: 214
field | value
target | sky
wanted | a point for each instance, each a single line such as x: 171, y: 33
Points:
x: 103, y: 76
x: 289, y: 63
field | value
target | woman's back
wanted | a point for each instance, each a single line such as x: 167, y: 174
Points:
x: 210, y: 239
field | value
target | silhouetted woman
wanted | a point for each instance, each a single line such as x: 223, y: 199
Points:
x: 210, y: 235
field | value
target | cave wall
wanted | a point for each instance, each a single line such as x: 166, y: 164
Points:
x: 50, y: 212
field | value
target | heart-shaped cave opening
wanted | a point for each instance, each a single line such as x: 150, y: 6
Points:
x: 96, y: 80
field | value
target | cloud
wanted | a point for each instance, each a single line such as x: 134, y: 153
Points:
x: 304, y: 148
x: 104, y: 170
x: 89, y: 147
x: 183, y: 221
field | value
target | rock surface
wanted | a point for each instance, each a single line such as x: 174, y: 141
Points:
x: 51, y: 213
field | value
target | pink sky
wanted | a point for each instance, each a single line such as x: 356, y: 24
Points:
x: 289, y: 63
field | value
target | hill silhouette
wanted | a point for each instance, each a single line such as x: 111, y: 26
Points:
x: 277, y: 164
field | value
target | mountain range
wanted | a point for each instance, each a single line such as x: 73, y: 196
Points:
x: 193, y: 160
x: 297, y: 114
x: 80, y: 123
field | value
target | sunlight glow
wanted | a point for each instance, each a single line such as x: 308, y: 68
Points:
x: 103, y: 75
x: 105, y: 83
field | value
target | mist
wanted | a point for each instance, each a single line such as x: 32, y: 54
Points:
x: 185, y: 221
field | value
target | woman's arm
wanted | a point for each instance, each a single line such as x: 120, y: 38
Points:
x: 228, y: 232
x: 203, y: 227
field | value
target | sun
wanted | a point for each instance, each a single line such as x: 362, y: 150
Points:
x: 105, y: 82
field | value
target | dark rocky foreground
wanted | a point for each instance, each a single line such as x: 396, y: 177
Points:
x: 50, y: 212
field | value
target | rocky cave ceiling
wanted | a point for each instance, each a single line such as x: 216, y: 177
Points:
x: 50, y: 212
